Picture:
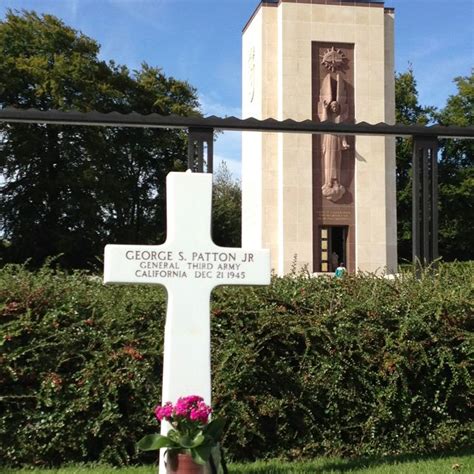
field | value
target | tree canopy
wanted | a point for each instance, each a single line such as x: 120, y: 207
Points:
x: 455, y: 162
x: 456, y: 176
x: 226, y: 208
x: 66, y: 189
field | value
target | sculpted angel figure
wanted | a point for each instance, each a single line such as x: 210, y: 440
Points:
x: 333, y: 107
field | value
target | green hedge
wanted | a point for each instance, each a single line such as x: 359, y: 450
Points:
x: 361, y: 365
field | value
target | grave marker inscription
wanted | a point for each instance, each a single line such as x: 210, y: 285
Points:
x: 189, y: 265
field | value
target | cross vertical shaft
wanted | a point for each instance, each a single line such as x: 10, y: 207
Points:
x: 189, y: 265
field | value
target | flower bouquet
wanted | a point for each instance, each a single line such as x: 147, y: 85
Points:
x: 191, y: 431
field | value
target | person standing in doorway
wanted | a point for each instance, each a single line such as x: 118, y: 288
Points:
x: 334, y: 261
x: 340, y: 270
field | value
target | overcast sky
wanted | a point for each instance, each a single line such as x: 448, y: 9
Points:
x: 200, y: 41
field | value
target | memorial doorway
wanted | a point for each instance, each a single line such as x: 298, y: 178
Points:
x: 332, y: 247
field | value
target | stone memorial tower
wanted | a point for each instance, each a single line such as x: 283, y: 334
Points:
x: 319, y: 200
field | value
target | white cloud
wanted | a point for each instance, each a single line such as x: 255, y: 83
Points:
x: 212, y: 106
x: 148, y: 13
x: 74, y: 9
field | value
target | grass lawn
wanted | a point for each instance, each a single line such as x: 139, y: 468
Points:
x: 462, y: 462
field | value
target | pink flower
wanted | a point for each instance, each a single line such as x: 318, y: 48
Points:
x: 181, y: 408
x: 200, y: 412
x: 165, y: 411
x: 191, y: 408
x: 185, y: 404
x: 192, y: 399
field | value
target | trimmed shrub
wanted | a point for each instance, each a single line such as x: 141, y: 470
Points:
x: 306, y: 366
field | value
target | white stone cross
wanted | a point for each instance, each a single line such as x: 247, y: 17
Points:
x: 189, y: 265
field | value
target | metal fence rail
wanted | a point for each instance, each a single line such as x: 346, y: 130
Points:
x: 116, y: 119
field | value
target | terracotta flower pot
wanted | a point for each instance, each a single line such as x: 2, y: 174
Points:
x: 183, y: 464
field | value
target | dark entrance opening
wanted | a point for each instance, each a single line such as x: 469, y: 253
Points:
x: 338, y: 246
x: 333, y: 247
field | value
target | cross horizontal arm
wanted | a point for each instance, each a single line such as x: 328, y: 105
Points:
x: 168, y: 265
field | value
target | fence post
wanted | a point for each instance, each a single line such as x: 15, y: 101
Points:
x: 197, y: 139
x: 425, y: 200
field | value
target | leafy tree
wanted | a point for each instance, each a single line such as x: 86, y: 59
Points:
x: 226, y: 208
x: 456, y: 169
x: 68, y: 189
x: 408, y: 111
x: 456, y: 176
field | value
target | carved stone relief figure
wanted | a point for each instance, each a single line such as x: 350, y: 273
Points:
x: 332, y: 106
x: 251, y: 65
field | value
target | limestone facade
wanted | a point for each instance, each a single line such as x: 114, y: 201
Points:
x: 277, y: 168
